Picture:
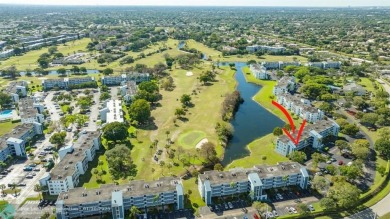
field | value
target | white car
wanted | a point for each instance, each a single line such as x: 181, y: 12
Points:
x: 294, y: 210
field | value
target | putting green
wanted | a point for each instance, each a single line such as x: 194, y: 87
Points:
x: 191, y: 138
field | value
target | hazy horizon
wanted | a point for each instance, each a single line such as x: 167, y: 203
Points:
x: 280, y: 3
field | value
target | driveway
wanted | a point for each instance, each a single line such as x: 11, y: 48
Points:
x: 385, y: 86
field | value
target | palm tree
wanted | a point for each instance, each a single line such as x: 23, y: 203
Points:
x: 167, y: 133
x: 38, y: 188
x: 13, y: 187
x: 134, y: 211
x: 2, y: 187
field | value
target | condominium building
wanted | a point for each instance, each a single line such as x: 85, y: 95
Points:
x: 65, y: 83
x: 282, y: 65
x: 259, y: 71
x: 30, y: 111
x: 128, y: 90
x: 115, y: 199
x: 14, y: 142
x: 65, y: 175
x: 118, y: 79
x: 300, y: 106
x: 273, y: 49
x: 285, y: 84
x: 17, y: 89
x: 255, y: 181
x: 279, y: 65
x: 325, y: 65
x: 312, y: 136
x: 112, y: 112
x: 7, y: 53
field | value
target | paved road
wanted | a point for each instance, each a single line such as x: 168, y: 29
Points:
x: 17, y: 175
x: 382, y: 207
x: 385, y: 86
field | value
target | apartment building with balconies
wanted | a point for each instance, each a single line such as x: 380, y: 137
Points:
x: 254, y: 181
x: 115, y: 199
x: 312, y: 136
x: 65, y: 175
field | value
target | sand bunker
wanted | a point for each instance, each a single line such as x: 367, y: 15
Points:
x: 199, y: 145
x: 189, y: 73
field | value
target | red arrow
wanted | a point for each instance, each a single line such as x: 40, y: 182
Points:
x: 286, y: 114
x: 294, y: 140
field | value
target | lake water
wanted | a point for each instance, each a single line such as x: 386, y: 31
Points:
x: 251, y: 121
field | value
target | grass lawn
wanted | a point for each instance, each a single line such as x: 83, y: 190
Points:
x: 89, y: 180
x: 195, y: 201
x: 29, y: 60
x: 264, y: 58
x: 190, y: 139
x: 6, y: 127
x: 211, y: 53
x: 386, y: 216
x: 200, y: 118
x: 368, y: 85
x: 263, y: 146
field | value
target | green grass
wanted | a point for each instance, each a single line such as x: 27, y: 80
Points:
x: 263, y: 146
x: 264, y: 58
x: 29, y: 60
x: 368, y: 85
x: 6, y: 127
x: 195, y: 201
x: 203, y: 116
x: 190, y: 139
x: 386, y: 216
x: 90, y: 180
x: 211, y: 53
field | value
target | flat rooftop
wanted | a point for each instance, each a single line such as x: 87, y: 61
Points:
x: 67, y: 166
x: 17, y: 132
x: 12, y: 86
x: 241, y: 174
x: 115, y: 113
x: 284, y: 81
x: 26, y: 108
x: 131, y: 189
x: 318, y: 127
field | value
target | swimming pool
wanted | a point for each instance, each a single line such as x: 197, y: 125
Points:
x: 5, y: 114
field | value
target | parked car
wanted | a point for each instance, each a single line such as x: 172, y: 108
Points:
x: 22, y: 184
x: 311, y: 207
x: 226, y: 206
x: 37, y: 169
x: 341, y: 162
x: 230, y: 205
x: 27, y: 169
x: 275, y: 213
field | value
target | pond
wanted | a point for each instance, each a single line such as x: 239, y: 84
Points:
x: 251, y: 121
x: 181, y: 44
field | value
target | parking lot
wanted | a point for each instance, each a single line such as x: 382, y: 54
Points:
x: 25, y: 173
x: 183, y: 213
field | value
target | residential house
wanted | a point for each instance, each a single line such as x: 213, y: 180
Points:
x: 355, y: 88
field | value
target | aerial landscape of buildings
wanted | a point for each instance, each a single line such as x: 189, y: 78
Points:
x: 171, y: 112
